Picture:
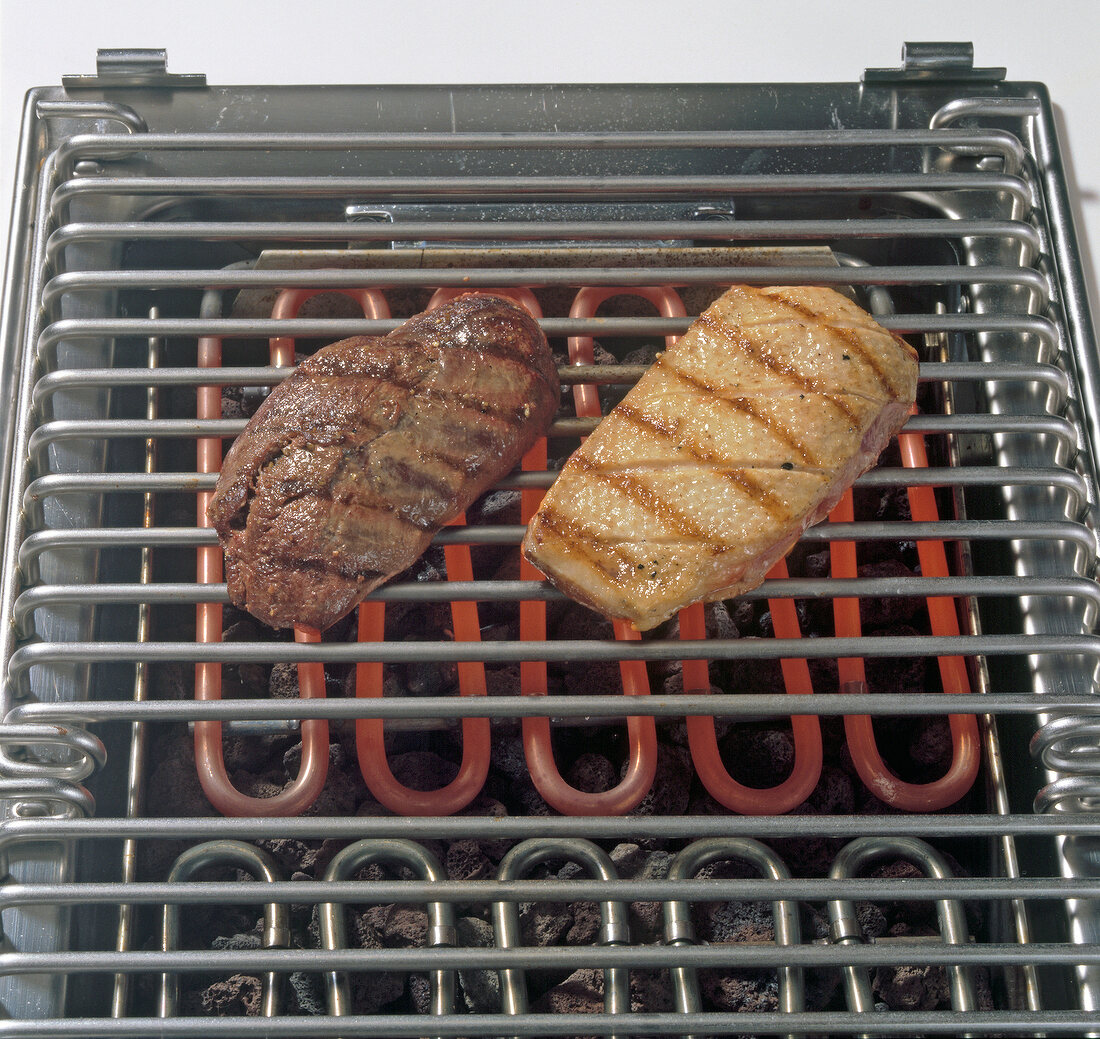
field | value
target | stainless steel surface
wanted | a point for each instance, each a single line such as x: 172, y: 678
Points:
x: 942, y: 197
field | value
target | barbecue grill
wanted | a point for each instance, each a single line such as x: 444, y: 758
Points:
x: 535, y: 822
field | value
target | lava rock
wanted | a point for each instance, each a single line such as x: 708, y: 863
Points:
x: 677, y: 732
x: 671, y: 790
x: 502, y: 681
x: 651, y: 992
x: 545, y: 923
x: 586, y: 924
x: 422, y: 770
x: 245, y: 629
x: 342, y: 793
x: 872, y: 920
x: 728, y: 922
x: 420, y: 993
x: 910, y: 987
x: 592, y: 774
x: 307, y: 992
x: 371, y: 991
x: 238, y: 996
x: 480, y: 988
x: 264, y: 785
x: 739, y: 991
x: 283, y: 681
x: 507, y: 757
x: 488, y: 807
x: 628, y: 859
x: 758, y: 757
x: 584, y: 624
x: 310, y: 859
x: 236, y: 942
x: 813, y: 856
x: 595, y: 678
x: 431, y: 678
x: 880, y: 611
x: 931, y: 744
x: 466, y: 861
x: 400, y: 926
x: 252, y: 753
x: 635, y: 863
x: 897, y: 676
x: 580, y: 993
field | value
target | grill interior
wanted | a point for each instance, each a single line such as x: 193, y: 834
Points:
x: 167, y: 227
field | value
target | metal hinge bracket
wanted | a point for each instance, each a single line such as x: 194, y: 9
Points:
x: 133, y: 67
x: 935, y: 63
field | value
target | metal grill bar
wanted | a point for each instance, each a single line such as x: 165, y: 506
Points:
x: 578, y: 889
x: 103, y: 146
x: 741, y: 705
x: 1015, y: 443
x: 499, y: 534
x: 737, y: 955
x: 54, y: 432
x: 1069, y: 483
x: 577, y: 650
x: 563, y: 230
x: 495, y: 277
x: 488, y: 189
x: 911, y: 1023
x: 617, y: 828
x: 44, y: 653
x: 508, y: 591
x: 1052, y: 378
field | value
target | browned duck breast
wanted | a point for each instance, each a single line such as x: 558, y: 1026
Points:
x: 743, y: 434
x: 353, y: 463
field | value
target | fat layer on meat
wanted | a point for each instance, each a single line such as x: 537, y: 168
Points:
x: 740, y: 436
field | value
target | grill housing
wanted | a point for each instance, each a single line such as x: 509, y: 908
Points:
x: 940, y: 203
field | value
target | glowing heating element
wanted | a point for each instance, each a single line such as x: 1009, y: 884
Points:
x: 537, y: 737
x: 209, y: 758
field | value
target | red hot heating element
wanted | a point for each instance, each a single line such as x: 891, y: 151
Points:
x: 537, y: 738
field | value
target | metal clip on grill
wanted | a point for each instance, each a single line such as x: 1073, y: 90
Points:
x: 844, y: 924
x: 441, y: 925
x: 615, y: 930
x: 859, y: 729
x: 84, y: 750
x: 262, y: 866
x: 680, y: 931
x: 1070, y: 747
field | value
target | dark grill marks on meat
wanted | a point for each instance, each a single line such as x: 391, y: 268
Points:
x: 727, y: 468
x: 585, y: 543
x: 849, y: 335
x: 756, y: 491
x: 745, y: 431
x: 850, y: 338
x: 742, y: 404
x: 675, y: 521
x: 755, y: 352
x: 353, y: 463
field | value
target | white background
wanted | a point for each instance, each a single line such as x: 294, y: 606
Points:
x: 566, y: 41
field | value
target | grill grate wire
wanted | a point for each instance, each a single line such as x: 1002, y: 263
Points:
x: 1017, y: 452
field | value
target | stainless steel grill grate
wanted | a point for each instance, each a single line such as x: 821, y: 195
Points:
x: 937, y: 200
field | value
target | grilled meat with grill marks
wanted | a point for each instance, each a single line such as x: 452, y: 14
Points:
x: 740, y: 436
x: 353, y: 463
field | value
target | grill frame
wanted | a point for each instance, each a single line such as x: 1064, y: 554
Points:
x: 1037, y: 185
